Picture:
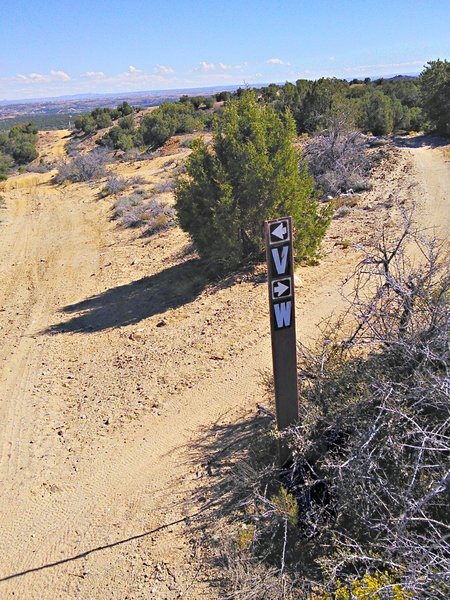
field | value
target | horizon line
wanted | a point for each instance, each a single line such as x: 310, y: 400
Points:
x: 100, y: 95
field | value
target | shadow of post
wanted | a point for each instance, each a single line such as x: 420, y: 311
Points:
x: 233, y: 457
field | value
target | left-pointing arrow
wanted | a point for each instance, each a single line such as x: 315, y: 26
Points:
x: 280, y: 288
x: 280, y: 232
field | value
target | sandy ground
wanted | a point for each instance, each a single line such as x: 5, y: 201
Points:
x: 116, y: 355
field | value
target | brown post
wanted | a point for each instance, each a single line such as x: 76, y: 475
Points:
x: 280, y: 268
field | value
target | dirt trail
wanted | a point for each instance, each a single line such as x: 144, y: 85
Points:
x: 112, y: 364
x: 432, y: 169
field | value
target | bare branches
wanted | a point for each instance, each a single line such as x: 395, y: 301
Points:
x: 381, y: 436
x: 338, y: 160
x: 366, y: 500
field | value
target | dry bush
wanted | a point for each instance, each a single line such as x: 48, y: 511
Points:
x: 157, y: 216
x: 83, y: 168
x: 115, y: 185
x: 137, y: 180
x: 338, y: 160
x: 124, y: 204
x: 153, y: 215
x: 375, y: 432
x: 163, y: 187
x: 365, y: 508
x: 42, y: 167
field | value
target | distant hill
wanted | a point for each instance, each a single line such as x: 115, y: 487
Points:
x: 15, y: 111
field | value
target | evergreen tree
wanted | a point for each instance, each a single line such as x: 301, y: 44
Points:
x: 250, y: 174
x: 435, y: 92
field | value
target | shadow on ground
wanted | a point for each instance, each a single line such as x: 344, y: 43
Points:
x: 133, y: 302
x: 154, y: 295
x: 420, y: 141
x: 233, y: 458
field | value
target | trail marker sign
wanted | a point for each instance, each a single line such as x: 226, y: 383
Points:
x: 280, y: 266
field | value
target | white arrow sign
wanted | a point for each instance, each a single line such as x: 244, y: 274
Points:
x: 280, y: 288
x: 280, y: 231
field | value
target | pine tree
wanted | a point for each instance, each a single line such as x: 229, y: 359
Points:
x: 250, y: 174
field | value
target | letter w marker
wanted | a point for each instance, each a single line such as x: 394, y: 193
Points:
x: 283, y: 311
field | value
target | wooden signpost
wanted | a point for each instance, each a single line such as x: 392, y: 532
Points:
x: 280, y: 267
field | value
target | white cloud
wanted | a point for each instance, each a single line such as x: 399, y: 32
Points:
x: 93, y: 74
x: 205, y: 66
x: 60, y: 75
x: 163, y: 70
x: 277, y: 61
x: 132, y: 69
x: 36, y: 77
x: 39, y: 77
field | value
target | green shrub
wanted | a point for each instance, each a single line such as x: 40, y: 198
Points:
x: 435, y: 93
x: 18, y: 146
x: 167, y: 120
x: 103, y: 120
x: 118, y: 138
x: 377, y: 113
x: 85, y: 123
x: 24, y: 152
x: 250, y: 174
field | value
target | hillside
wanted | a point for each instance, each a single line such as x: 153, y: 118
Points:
x: 119, y: 356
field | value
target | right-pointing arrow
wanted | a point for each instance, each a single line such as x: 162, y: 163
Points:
x: 280, y: 231
x: 280, y: 288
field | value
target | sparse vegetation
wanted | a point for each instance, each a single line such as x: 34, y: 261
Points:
x: 82, y: 168
x: 154, y: 215
x: 114, y: 185
x: 368, y: 489
x: 338, y: 160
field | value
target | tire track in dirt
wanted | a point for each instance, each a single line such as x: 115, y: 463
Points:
x: 432, y: 172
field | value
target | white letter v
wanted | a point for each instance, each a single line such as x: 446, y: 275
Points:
x: 280, y: 263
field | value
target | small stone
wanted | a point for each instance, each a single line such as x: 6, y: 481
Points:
x: 136, y: 337
x: 161, y: 323
x: 298, y: 281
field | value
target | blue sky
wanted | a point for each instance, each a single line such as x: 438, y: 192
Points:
x: 58, y: 47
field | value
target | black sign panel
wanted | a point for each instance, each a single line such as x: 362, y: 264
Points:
x: 281, y: 288
x: 282, y: 314
x: 279, y: 231
x: 280, y: 261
